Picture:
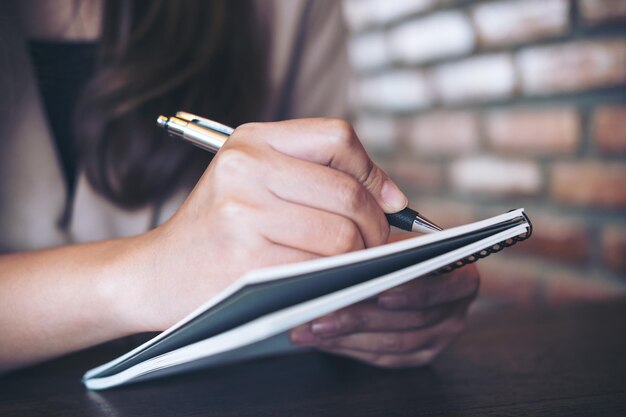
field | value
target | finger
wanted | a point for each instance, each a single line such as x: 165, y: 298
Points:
x: 289, y: 225
x: 369, y: 317
x: 396, y: 342
x: 418, y: 358
x: 378, y: 320
x: 432, y: 291
x: 330, y: 190
x: 301, y: 182
x: 330, y: 142
x: 308, y: 229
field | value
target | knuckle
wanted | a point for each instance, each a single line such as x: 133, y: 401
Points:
x: 355, y: 197
x: 341, y: 132
x: 356, y: 201
x: 347, y: 236
x: 232, y: 162
x: 247, y: 129
x: 231, y: 210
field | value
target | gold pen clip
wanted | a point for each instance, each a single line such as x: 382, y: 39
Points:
x: 201, y: 132
x: 204, y: 122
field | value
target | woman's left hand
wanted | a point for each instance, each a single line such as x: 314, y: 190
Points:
x: 406, y: 326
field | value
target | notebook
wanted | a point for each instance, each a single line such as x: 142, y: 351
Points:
x: 252, y: 317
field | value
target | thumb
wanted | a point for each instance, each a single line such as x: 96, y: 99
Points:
x: 384, y: 190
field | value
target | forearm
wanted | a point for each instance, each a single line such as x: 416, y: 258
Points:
x: 61, y: 300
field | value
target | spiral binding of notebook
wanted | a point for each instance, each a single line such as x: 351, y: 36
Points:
x: 487, y: 251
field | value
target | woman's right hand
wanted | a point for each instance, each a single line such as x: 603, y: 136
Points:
x: 276, y: 193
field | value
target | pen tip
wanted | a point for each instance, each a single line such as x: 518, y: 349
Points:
x: 423, y: 225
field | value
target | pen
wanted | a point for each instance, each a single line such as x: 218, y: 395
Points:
x: 210, y: 136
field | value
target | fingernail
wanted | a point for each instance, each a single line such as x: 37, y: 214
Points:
x: 393, y: 197
x: 393, y: 300
x: 303, y: 336
x: 325, y: 326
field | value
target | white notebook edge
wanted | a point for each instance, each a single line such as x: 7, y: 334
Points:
x: 284, y: 271
x: 283, y: 320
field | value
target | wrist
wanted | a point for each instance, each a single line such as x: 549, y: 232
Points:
x: 126, y: 288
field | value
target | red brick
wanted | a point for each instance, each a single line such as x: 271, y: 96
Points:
x: 510, y: 22
x: 601, y: 11
x: 572, y: 67
x: 377, y: 133
x: 557, y: 238
x: 609, y: 128
x: 415, y: 177
x: 592, y: 184
x: 614, y: 248
x: 363, y: 13
x: 368, y: 50
x: 481, y: 78
x: 400, y: 90
x: 420, y: 40
x: 496, y: 176
x: 444, y: 133
x: 538, y: 131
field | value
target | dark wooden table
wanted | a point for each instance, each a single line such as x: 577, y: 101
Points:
x: 569, y: 362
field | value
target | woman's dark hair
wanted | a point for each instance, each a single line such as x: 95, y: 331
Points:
x: 157, y: 57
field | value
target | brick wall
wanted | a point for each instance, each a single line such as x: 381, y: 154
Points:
x: 477, y: 107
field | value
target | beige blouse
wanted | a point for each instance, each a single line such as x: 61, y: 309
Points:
x: 309, y: 75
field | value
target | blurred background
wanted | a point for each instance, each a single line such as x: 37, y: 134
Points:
x: 478, y: 107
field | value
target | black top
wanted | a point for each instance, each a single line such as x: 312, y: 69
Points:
x: 529, y: 362
x: 62, y: 69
